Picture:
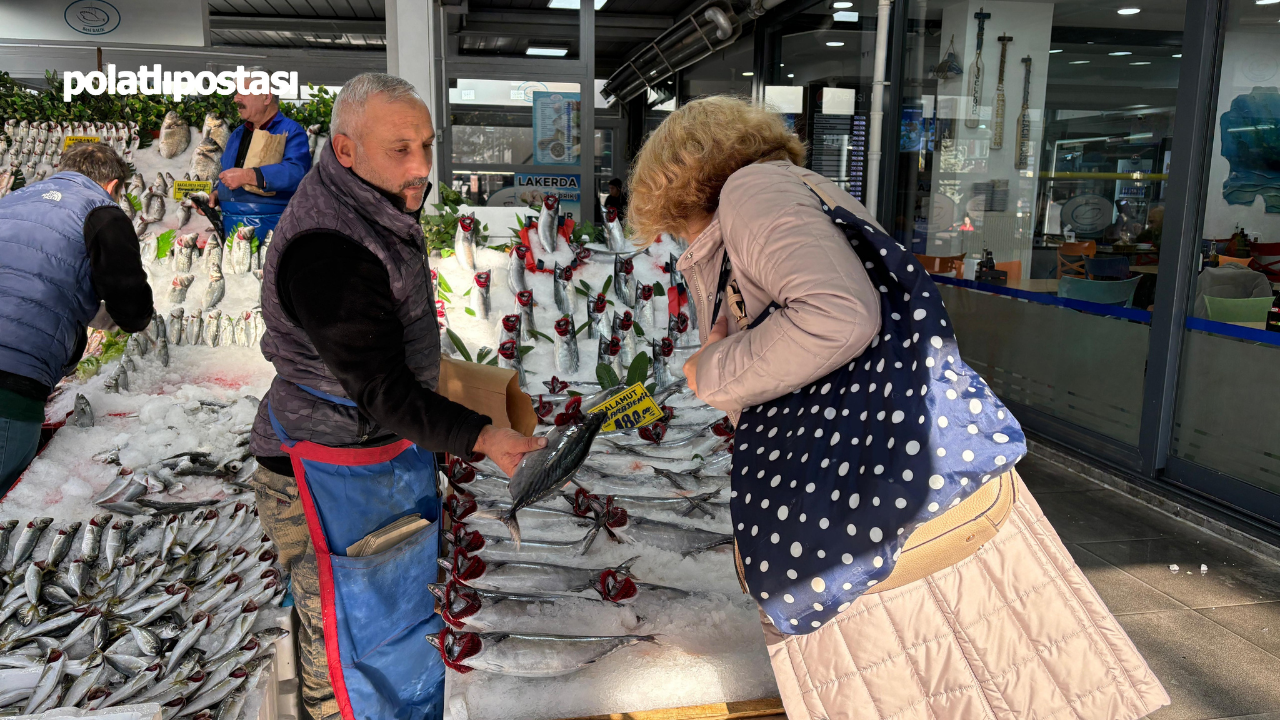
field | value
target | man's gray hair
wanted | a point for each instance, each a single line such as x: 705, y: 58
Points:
x: 349, y: 105
x: 99, y: 162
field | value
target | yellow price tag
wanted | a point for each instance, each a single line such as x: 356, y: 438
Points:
x: 76, y: 139
x: 183, y: 188
x: 631, y: 408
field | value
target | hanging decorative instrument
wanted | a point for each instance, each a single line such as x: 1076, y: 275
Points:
x: 997, y: 132
x: 1024, y: 118
x: 975, y: 74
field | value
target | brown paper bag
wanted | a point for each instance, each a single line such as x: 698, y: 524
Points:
x: 264, y: 149
x: 490, y: 391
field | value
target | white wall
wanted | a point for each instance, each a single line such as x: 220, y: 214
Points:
x: 1030, y: 25
x: 173, y: 22
x: 1249, y: 59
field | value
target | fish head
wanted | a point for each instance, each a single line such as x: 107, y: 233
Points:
x: 615, y: 345
x: 572, y: 412
x: 482, y: 279
x: 543, y: 408
x: 468, y: 541
x: 551, y: 203
x: 564, y: 326
x: 522, y: 251
x: 508, y: 349
x: 459, y: 505
x: 510, y: 323
x: 458, y: 602
x: 455, y: 647
x: 555, y: 385
x: 564, y: 273
x: 723, y: 428
x: 615, y: 587
x: 682, y: 322
x: 600, y: 304
x: 666, y: 347
x: 654, y: 432
x: 586, y: 504
x: 525, y: 298
x: 467, y: 567
x: 171, y: 121
x: 461, y: 473
x: 611, y: 214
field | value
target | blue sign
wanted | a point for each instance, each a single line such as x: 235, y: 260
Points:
x: 92, y: 17
x: 530, y: 189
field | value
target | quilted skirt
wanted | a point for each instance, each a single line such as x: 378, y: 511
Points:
x: 1014, y: 632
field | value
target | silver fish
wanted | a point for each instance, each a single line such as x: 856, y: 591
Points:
x: 146, y: 640
x: 486, y: 610
x: 199, y: 623
x: 206, y: 161
x: 82, y: 413
x: 216, y: 128
x: 212, y: 326
x: 6, y: 531
x: 213, y: 256
x: 211, y: 695
x: 94, y: 671
x: 465, y: 242
x: 549, y: 223
x: 186, y: 209
x: 178, y: 290
x: 227, y: 334
x: 596, y: 325
x: 162, y: 350
x: 528, y: 654
x: 623, y: 279
x: 194, y: 331
x: 516, y: 280
x: 241, y: 250
x: 28, y: 539
x: 313, y: 135
x: 614, y: 235
x: 131, y: 687
x: 497, y: 549
x: 480, y: 305
x: 164, y: 183
x: 566, y: 346
x: 177, y: 593
x: 50, y: 677
x: 660, y: 351
x: 563, y: 292
x: 92, y: 617
x: 176, y: 322
x: 509, y: 357
x: 523, y: 576
x: 524, y: 308
x: 186, y: 251
x: 624, y: 326
x: 62, y: 541
x: 92, y: 542
x: 175, y: 135
x: 113, y: 544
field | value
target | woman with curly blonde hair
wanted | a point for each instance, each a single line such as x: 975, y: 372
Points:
x: 1011, y: 630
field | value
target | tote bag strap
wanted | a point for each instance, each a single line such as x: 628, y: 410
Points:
x: 844, y: 202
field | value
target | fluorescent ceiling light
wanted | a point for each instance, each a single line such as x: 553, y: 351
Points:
x: 1267, y: 2
x: 1141, y: 62
x: 573, y: 4
x: 1078, y: 62
x: 791, y: 75
x: 1128, y: 11
x: 1180, y: 54
x: 1051, y: 52
x: 546, y: 51
x: 1119, y: 53
x: 846, y: 16
x: 747, y: 74
x: 835, y: 43
x: 843, y: 5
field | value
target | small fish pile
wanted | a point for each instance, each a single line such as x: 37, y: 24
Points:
x: 121, y: 610
x: 34, y: 150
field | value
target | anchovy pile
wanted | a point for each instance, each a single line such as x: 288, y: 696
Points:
x: 121, y: 610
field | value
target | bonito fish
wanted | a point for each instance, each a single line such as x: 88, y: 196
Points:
x: 563, y: 292
x: 486, y: 610
x: 547, y: 469
x: 527, y: 654
x: 566, y: 346
x: 465, y: 242
x: 524, y: 307
x: 549, y: 223
x: 480, y: 295
x: 516, y: 280
x: 617, y: 239
x: 523, y: 576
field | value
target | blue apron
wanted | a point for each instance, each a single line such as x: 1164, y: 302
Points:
x: 376, y: 611
x: 262, y: 217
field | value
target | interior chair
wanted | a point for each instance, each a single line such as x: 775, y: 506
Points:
x: 943, y: 264
x: 1108, y: 268
x: 1238, y: 310
x: 1266, y: 259
x: 1105, y: 292
x: 1071, y: 258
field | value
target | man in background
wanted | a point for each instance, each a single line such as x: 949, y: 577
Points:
x: 275, y: 182
x: 617, y: 199
x: 69, y: 258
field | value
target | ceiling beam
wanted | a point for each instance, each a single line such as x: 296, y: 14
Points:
x: 298, y: 24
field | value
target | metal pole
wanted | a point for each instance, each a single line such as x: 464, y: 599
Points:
x: 1192, y: 138
x: 587, y: 55
x: 874, y: 133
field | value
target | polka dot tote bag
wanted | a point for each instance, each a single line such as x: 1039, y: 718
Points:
x: 830, y: 480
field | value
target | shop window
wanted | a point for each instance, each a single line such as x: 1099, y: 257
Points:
x: 1228, y: 393
x: 1031, y: 178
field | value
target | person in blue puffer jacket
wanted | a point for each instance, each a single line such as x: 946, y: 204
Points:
x: 69, y: 258
x: 240, y: 206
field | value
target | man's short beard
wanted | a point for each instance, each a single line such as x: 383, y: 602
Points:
x: 390, y: 189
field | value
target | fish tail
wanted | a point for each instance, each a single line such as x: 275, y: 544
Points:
x: 513, y: 526
x: 585, y: 543
x: 647, y: 638
x: 625, y: 566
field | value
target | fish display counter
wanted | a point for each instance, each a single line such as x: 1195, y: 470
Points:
x: 135, y: 568
x: 600, y: 579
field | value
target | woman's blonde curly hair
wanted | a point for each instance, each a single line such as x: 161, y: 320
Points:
x: 685, y: 162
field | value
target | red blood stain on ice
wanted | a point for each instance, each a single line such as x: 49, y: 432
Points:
x: 231, y: 383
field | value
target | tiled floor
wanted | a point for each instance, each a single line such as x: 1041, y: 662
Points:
x: 1210, y: 630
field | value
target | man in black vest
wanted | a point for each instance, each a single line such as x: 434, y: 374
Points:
x: 352, y: 331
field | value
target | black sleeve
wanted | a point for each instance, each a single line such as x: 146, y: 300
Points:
x: 339, y: 293
x: 115, y: 266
